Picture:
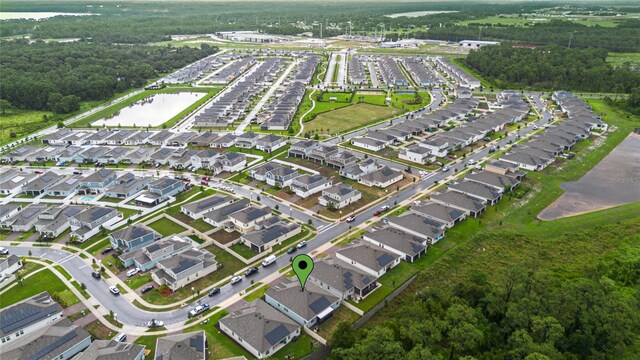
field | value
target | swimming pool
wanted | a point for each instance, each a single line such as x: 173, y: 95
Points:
x: 87, y: 198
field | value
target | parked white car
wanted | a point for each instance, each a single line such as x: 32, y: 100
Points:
x: 132, y: 272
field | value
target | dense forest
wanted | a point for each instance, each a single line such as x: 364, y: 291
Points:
x: 552, y: 67
x: 141, y: 22
x: 623, y: 38
x: 514, y: 312
x: 57, y: 76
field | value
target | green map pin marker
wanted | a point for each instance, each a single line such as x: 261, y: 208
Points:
x: 302, y: 267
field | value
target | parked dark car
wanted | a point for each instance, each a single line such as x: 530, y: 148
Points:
x: 251, y: 271
x: 96, y: 275
x: 291, y: 250
x: 146, y: 289
x: 214, y: 291
x: 107, y: 250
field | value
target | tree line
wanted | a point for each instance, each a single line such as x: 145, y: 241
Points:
x: 551, y: 67
x: 528, y: 314
x: 58, y: 76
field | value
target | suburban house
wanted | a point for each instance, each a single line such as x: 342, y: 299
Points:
x: 111, y: 349
x: 501, y: 183
x: 191, y: 346
x: 28, y: 316
x: 54, y: 220
x: 166, y: 187
x: 247, y: 140
x: 307, y: 185
x: 98, y: 181
x: 354, y: 172
x: 505, y: 168
x: 382, y: 177
x: 270, y: 143
x: 470, y: 205
x: 126, y: 186
x: 140, y: 155
x: 368, y: 143
x: 259, y: 328
x: 68, y: 154
x: 281, y: 176
x: 8, y: 210
x: 302, y: 149
x: 526, y: 161
x: 40, y: 184
x: 220, y: 216
x: 487, y: 194
x: 341, y: 160
x: 224, y: 141
x: 133, y: 237
x: 88, y: 222
x: 204, y: 159
x: 419, y: 226
x: 25, y: 219
x: 409, y: 247
x: 161, y: 138
x: 65, y: 188
x: 342, y: 280
x: 260, y: 172
x: 8, y: 266
x: 339, y: 196
x: 146, y: 257
x: 184, y: 268
x: 195, y: 209
x: 115, y: 155
x: 320, y: 153
x: 437, y: 145
x: 13, y: 184
x: 245, y: 220
x: 449, y: 216
x: 373, y: 260
x: 139, y: 138
x: 308, y: 308
x: 162, y: 156
x: 417, y: 154
x: 60, y: 339
x: 270, y: 232
x: 229, y: 162
x: 204, y: 139
x: 181, y: 139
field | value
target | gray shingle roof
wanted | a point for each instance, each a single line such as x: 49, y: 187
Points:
x: 190, y: 346
x: 372, y: 257
x: 27, y: 312
x: 307, y: 304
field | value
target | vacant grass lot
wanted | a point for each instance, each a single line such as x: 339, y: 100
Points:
x: 22, y: 123
x: 350, y: 117
x: 166, y: 227
x: 632, y: 59
x: 44, y: 280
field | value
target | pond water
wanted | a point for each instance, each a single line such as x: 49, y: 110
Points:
x: 614, y: 181
x: 419, y: 13
x: 154, y: 110
x: 35, y: 15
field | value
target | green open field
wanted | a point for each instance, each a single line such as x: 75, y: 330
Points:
x: 350, y: 117
x: 22, y: 123
x: 166, y: 227
x: 44, y: 280
x: 632, y: 59
x: 86, y: 122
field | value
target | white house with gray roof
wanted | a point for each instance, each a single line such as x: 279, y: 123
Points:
x: 487, y: 194
x: 88, y: 222
x: 259, y: 328
x: 382, y: 178
x: 269, y: 233
x: 373, y: 260
x: 195, y: 209
x: 245, y: 220
x: 419, y: 226
x: 441, y: 213
x: 25, y: 219
x: 112, y: 350
x: 189, y: 346
x: 470, y: 205
x: 8, y: 266
x: 341, y: 279
x: 339, y: 196
x: 184, y: 268
x: 409, y: 247
x: 133, y: 237
x: 307, y: 185
x: 308, y: 308
x: 28, y: 316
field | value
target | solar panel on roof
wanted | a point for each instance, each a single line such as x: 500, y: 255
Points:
x: 384, y: 259
x: 183, y: 264
x: 54, y: 345
x: 197, y: 342
x: 100, y: 212
x: 274, y: 336
x: 319, y: 305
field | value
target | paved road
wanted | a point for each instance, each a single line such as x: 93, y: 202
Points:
x: 328, y: 78
x: 131, y: 315
x: 373, y: 75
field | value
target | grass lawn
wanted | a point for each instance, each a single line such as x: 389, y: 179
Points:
x: 350, y: 117
x: 138, y: 280
x: 297, y: 349
x: 256, y: 294
x: 224, y: 237
x: 243, y: 250
x: 44, y: 280
x: 22, y: 123
x: 101, y: 332
x: 201, y: 225
x: 166, y: 227
x: 614, y: 58
x: 388, y: 282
